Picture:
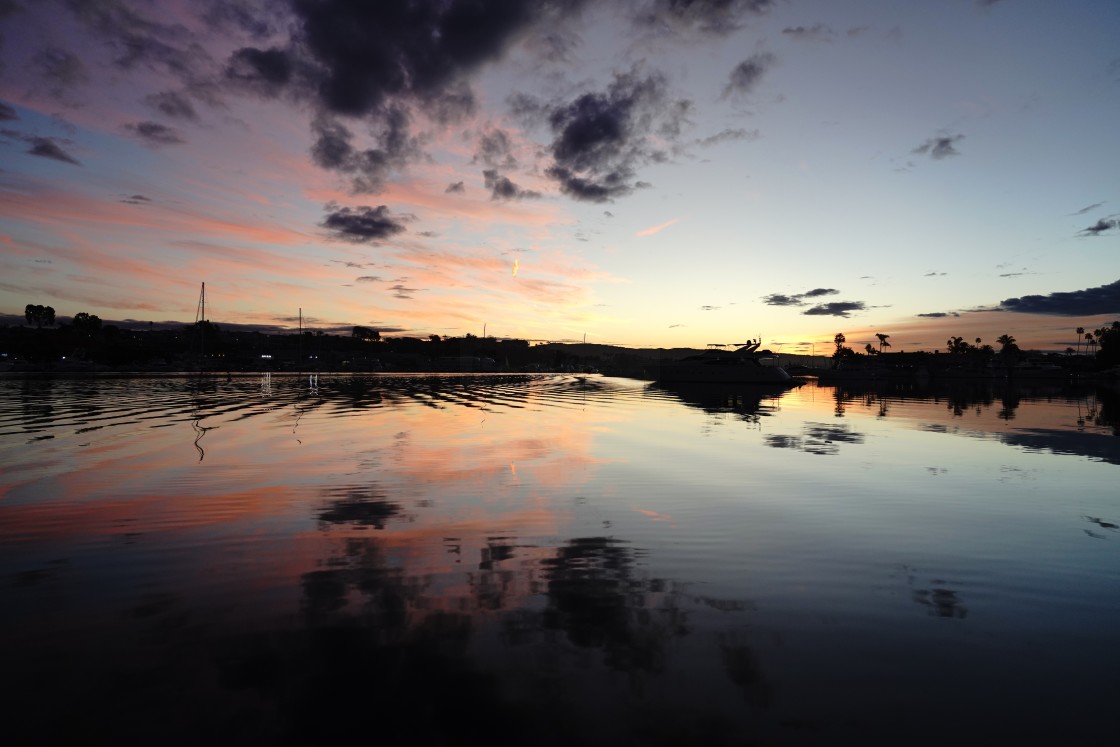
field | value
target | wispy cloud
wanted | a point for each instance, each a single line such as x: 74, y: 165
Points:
x: 818, y: 32
x: 1088, y: 208
x: 940, y: 146
x: 658, y: 228
x: 728, y: 135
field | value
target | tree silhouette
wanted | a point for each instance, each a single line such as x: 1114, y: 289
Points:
x: 882, y: 341
x: 38, y: 315
x: 1109, y: 340
x: 1006, y: 342
x: 1080, y: 332
x: 1090, y: 341
x: 87, y: 324
x: 957, y: 345
x: 365, y: 333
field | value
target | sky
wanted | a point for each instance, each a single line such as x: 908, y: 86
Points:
x: 654, y: 173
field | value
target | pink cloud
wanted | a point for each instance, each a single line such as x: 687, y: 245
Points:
x: 657, y: 229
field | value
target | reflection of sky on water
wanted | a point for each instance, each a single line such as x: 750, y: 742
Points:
x: 654, y: 565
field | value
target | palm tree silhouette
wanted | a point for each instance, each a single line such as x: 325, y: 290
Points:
x: 1005, y: 341
x: 1080, y: 331
x: 882, y: 341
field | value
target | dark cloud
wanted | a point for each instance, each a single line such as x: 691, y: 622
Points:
x: 935, y: 274
x: 816, y: 32
x: 172, y: 104
x: 938, y: 314
x: 797, y: 299
x: 7, y: 113
x: 154, y: 133
x: 746, y: 75
x: 264, y: 71
x: 1104, y: 299
x: 368, y: 279
x: 369, y: 54
x: 495, y: 150
x: 363, y: 224
x: 501, y: 188
x: 369, y: 168
x: 1102, y: 225
x: 711, y: 17
x: 940, y: 147
x: 46, y: 147
x: 709, y: 308
x: 455, y: 187
x: 836, y: 308
x: 778, y: 299
x: 987, y: 3
x: 389, y: 64
x: 136, y: 200
x: 601, y: 138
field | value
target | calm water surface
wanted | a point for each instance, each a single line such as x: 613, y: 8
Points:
x: 555, y: 559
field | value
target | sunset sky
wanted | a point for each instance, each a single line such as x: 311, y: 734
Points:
x: 642, y: 172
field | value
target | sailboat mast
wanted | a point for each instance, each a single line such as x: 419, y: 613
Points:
x: 200, y: 316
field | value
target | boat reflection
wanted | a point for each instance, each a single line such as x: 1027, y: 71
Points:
x: 749, y: 401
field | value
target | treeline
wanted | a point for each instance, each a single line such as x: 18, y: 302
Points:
x: 88, y: 344
x: 1101, y: 347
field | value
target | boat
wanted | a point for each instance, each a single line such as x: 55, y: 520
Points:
x: 744, y: 365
